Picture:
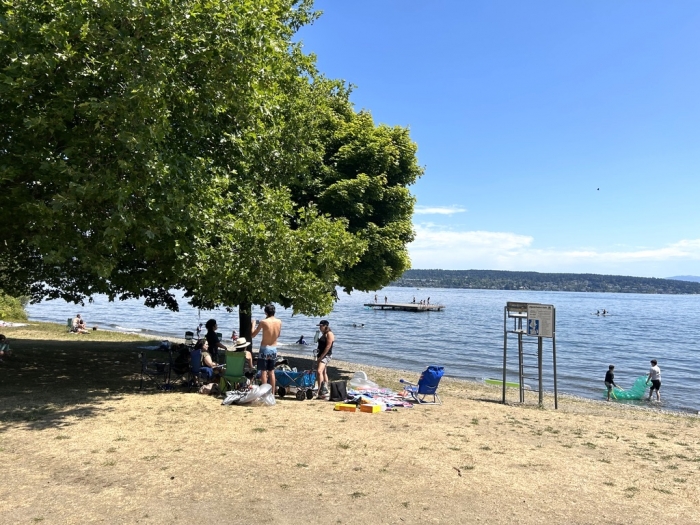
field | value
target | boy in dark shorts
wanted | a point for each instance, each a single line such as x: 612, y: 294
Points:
x: 655, y: 378
x: 610, y: 380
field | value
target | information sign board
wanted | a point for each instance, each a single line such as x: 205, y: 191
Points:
x: 540, y: 320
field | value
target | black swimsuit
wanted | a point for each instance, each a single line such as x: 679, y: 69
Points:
x: 322, y: 346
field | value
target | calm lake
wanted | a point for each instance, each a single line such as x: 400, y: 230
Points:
x: 467, y: 337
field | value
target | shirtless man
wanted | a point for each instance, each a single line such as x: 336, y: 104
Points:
x: 271, y: 328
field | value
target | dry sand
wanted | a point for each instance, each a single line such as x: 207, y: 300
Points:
x: 81, y: 444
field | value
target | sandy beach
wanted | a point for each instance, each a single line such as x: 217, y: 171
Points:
x: 81, y: 444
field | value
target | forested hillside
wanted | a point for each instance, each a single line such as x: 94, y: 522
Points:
x: 569, y: 282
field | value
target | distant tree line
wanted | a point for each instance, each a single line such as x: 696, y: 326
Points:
x: 535, y: 281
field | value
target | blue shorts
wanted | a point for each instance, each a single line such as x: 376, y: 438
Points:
x: 266, y: 358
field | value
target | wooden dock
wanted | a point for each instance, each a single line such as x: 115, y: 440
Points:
x: 407, y: 307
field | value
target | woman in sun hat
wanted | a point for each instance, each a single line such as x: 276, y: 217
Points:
x: 240, y: 345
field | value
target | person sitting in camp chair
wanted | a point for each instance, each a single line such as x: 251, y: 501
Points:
x: 241, y: 345
x: 4, y: 348
x: 209, y: 367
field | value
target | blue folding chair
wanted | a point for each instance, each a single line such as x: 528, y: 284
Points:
x: 427, y: 386
x: 197, y: 371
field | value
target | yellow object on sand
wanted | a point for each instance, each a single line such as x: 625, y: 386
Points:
x: 345, y: 407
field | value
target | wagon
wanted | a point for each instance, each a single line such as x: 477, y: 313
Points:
x: 299, y: 383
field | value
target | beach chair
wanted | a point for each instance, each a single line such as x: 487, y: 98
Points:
x: 427, y: 386
x: 189, y: 339
x: 69, y: 324
x: 155, y: 371
x: 235, y: 369
x: 197, y: 371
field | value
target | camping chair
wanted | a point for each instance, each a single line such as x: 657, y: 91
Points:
x: 189, y: 339
x: 235, y: 369
x: 69, y: 324
x: 156, y: 371
x: 427, y: 386
x: 197, y: 371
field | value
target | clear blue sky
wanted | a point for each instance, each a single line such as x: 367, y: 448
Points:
x: 523, y: 109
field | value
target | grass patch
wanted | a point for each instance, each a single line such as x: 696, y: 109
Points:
x: 259, y: 429
x: 344, y: 445
x: 665, y: 491
x: 302, y: 465
x: 475, y: 421
x: 609, y: 483
x: 590, y: 445
x: 680, y: 480
x: 356, y: 495
x: 62, y: 437
x: 485, y: 447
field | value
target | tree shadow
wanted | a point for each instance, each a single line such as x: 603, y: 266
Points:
x: 47, y: 383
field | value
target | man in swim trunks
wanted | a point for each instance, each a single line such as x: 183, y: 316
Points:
x: 271, y: 328
x: 655, y: 377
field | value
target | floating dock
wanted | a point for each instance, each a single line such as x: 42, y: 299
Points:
x: 407, y: 307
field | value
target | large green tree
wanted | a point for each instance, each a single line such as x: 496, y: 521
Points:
x: 154, y: 145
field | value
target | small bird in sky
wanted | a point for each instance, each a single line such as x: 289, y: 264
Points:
x: 597, y: 189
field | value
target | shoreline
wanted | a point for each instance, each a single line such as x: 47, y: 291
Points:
x: 548, y: 395
x: 82, y: 444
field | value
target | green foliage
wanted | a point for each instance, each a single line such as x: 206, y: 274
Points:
x: 570, y: 282
x: 155, y: 145
x: 11, y: 309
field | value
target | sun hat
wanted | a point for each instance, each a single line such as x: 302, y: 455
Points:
x: 241, y: 342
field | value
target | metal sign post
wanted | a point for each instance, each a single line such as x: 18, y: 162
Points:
x: 540, y: 320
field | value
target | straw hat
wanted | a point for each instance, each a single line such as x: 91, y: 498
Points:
x: 241, y: 342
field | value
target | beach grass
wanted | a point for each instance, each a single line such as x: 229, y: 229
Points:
x: 82, y: 444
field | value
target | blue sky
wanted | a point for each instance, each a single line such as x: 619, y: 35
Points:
x: 523, y: 109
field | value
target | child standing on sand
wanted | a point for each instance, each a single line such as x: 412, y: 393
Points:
x: 610, y: 380
x: 655, y: 377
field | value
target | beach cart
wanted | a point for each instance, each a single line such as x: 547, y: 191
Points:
x: 301, y: 384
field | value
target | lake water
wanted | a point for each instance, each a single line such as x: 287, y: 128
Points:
x: 467, y: 337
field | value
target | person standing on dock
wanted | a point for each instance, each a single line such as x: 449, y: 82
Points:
x: 428, y: 301
x: 375, y: 298
x: 655, y: 377
x: 386, y: 301
x: 414, y: 299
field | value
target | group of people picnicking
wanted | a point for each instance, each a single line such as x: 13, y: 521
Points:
x: 270, y: 328
x: 654, y: 376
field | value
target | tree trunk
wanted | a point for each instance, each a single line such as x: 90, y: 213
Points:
x: 244, y: 321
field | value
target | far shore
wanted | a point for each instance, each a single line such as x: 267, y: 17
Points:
x: 82, y: 443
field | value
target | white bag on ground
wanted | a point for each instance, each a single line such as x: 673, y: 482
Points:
x: 359, y: 381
